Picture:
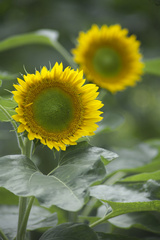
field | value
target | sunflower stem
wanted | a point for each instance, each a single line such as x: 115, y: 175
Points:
x: 64, y: 53
x: 19, y: 137
x: 24, y: 222
x: 106, y: 217
x: 98, y: 222
x: 4, y: 237
x: 28, y: 148
x: 24, y: 210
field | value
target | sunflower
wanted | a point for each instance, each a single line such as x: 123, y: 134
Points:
x: 56, y: 107
x: 109, y: 57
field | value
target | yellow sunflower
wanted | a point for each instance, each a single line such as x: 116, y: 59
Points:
x: 55, y: 107
x: 109, y: 57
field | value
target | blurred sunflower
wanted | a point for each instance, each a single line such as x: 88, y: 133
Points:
x: 55, y: 107
x: 109, y: 57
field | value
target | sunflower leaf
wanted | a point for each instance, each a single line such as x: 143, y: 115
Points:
x: 139, y: 158
x: 66, y: 187
x: 126, y: 198
x: 142, y: 177
x: 43, y: 36
x: 7, y: 197
x: 8, y: 104
x: 70, y: 231
x: 142, y: 220
x: 110, y: 236
x: 39, y: 218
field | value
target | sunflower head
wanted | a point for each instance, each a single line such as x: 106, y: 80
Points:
x: 56, y: 107
x: 109, y: 57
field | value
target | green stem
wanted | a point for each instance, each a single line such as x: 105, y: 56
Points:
x: 89, y: 207
x: 108, y: 216
x: 115, y: 178
x: 23, y: 226
x: 28, y: 147
x: 72, y: 216
x: 4, y: 237
x: 64, y: 53
x: 19, y: 137
x: 23, y: 209
x: 98, y: 222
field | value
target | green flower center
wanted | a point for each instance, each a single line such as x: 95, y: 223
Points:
x: 53, y: 109
x: 107, y: 62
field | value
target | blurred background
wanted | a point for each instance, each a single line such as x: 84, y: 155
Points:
x: 139, y: 106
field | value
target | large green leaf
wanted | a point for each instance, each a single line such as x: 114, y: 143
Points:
x: 68, y: 231
x: 78, y: 168
x: 152, y: 66
x: 150, y: 167
x: 136, y: 159
x: 142, y: 177
x: 142, y: 220
x: 39, y: 218
x: 7, y: 198
x: 43, y: 36
x: 110, y: 236
x: 126, y: 198
x: 8, y: 104
x: 148, y: 221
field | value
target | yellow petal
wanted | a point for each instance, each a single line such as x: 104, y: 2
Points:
x: 31, y: 136
x: 44, y: 72
x: 21, y: 128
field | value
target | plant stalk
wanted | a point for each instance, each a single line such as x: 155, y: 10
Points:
x: 98, y: 222
x: 64, y: 53
x: 23, y: 226
x: 4, y: 237
x: 24, y: 210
